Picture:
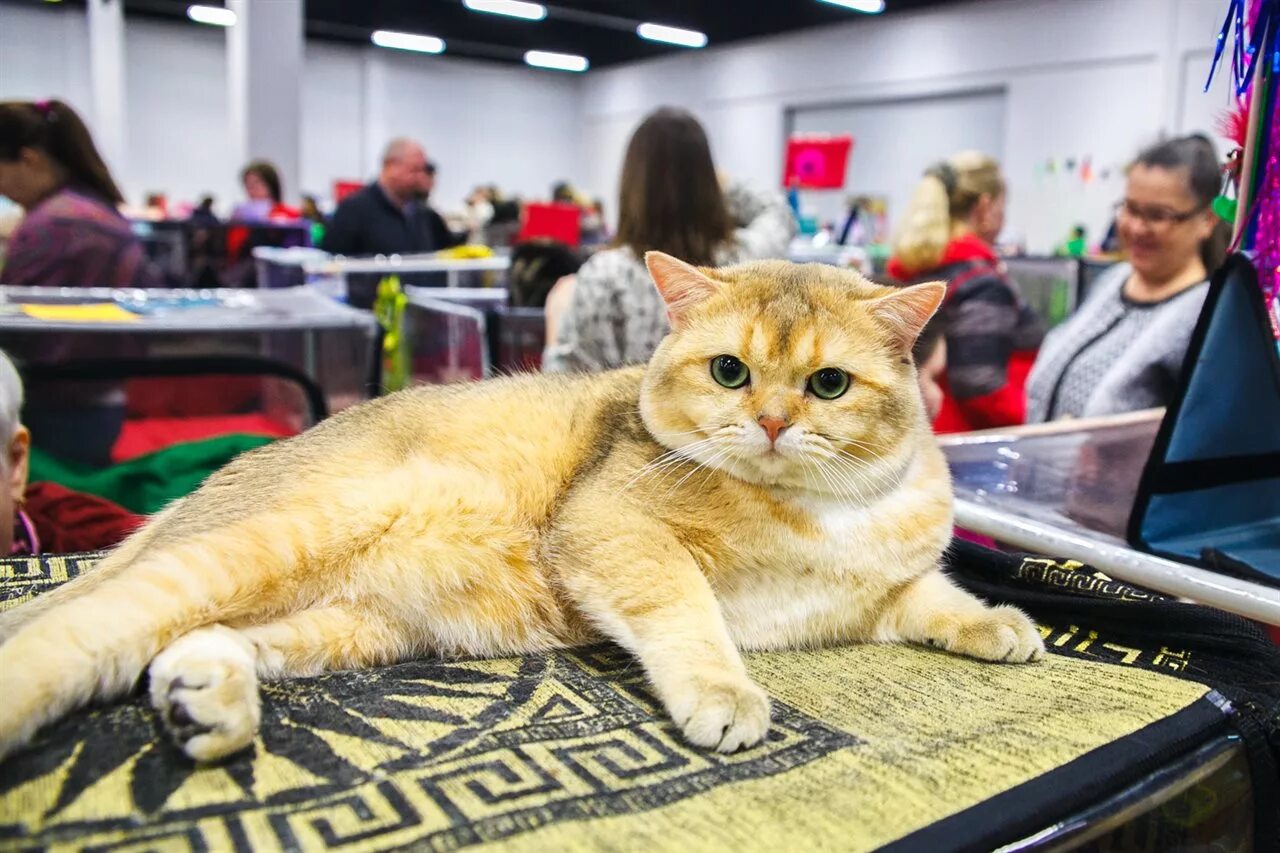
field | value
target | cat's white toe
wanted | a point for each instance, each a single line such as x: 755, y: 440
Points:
x: 205, y: 688
x: 998, y: 634
x: 725, y: 715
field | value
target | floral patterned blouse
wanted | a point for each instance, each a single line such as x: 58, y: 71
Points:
x: 615, y: 316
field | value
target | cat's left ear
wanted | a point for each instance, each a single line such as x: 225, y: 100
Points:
x: 681, y: 285
x: 904, y: 312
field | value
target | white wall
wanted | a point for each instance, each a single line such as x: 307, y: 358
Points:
x: 895, y: 137
x: 482, y: 123
x: 1100, y: 78
x: 178, y: 128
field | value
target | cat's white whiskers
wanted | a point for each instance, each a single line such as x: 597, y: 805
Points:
x: 833, y: 488
x: 709, y: 464
x: 668, y: 460
x: 840, y: 463
x: 843, y: 489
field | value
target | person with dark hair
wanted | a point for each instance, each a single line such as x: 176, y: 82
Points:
x: 670, y: 200
x: 1123, y: 349
x: 930, y: 356
x: 262, y: 185
x: 202, y: 214
x: 72, y: 234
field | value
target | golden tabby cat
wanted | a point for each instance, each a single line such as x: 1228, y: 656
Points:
x: 768, y: 481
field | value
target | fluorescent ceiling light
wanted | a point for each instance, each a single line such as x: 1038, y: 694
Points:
x: 672, y: 35
x: 870, y: 7
x: 407, y: 41
x: 213, y: 15
x: 510, y: 8
x: 556, y: 61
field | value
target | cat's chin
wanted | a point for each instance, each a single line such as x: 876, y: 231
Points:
x: 770, y: 468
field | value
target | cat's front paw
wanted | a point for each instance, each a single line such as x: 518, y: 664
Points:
x: 998, y: 633
x: 721, y: 713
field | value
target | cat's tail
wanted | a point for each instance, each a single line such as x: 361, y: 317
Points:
x: 93, y: 637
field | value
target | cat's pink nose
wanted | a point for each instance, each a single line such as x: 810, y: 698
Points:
x: 772, y: 427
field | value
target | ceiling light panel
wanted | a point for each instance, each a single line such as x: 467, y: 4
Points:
x: 214, y: 16
x: 407, y: 41
x: 556, y: 61
x: 672, y: 35
x: 869, y: 7
x: 510, y: 8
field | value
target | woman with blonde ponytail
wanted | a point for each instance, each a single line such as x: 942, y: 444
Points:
x: 992, y: 336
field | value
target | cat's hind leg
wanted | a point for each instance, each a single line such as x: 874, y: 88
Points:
x: 204, y: 685
x: 933, y: 611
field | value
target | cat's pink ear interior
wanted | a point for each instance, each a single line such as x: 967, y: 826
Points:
x: 904, y: 312
x: 682, y: 285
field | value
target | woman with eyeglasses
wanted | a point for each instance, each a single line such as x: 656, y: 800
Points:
x: 1122, y: 351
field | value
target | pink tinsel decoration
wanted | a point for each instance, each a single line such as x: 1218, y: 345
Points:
x: 1266, y: 240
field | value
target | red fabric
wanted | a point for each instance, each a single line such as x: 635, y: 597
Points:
x: 554, y: 221
x: 966, y: 247
x: 1006, y: 406
x: 816, y: 162
x: 237, y: 235
x: 147, y: 435
x: 68, y: 521
x: 185, y: 396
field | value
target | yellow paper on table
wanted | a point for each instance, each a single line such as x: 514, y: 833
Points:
x: 93, y: 312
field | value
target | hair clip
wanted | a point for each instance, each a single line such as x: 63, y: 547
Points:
x: 945, y: 173
x: 45, y: 109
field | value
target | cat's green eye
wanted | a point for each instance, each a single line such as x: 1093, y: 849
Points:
x: 729, y: 371
x: 829, y: 383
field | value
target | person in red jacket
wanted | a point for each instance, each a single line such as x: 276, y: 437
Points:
x: 45, y: 518
x: 992, y: 336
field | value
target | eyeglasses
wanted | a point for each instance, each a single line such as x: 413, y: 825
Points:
x: 1156, y: 217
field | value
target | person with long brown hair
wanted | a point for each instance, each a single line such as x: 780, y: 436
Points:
x: 72, y: 234
x: 670, y: 201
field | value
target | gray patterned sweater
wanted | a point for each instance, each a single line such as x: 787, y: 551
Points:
x: 1113, y: 355
x: 615, y: 316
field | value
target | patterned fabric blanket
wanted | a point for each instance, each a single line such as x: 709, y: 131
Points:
x: 568, y: 750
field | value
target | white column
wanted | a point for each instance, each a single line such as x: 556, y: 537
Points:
x: 264, y: 75
x: 373, y: 102
x: 106, y: 80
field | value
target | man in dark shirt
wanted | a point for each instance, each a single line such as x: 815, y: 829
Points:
x: 388, y: 217
x: 440, y: 231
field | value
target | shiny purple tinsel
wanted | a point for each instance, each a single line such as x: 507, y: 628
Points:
x: 1266, y: 236
x: 1266, y: 233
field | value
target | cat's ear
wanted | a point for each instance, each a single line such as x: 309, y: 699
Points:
x: 681, y: 285
x: 904, y: 312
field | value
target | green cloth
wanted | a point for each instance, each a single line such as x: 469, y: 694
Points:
x: 147, y: 483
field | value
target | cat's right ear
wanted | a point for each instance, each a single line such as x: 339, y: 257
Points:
x: 905, y: 311
x: 681, y: 285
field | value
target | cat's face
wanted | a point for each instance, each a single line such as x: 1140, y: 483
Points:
x: 788, y: 375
